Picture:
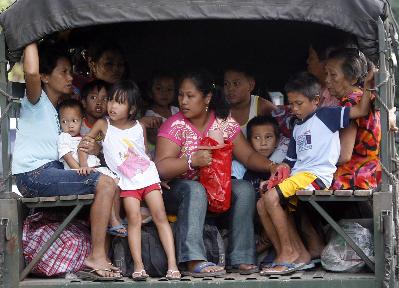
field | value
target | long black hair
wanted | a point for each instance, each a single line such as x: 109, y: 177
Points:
x: 203, y: 81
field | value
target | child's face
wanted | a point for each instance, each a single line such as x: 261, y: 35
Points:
x: 96, y: 103
x: 163, y: 91
x: 71, y: 120
x: 300, y: 105
x: 119, y: 111
x: 263, y: 139
x: 237, y: 87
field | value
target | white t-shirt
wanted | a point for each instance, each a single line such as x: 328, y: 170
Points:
x: 124, y: 152
x: 67, y: 143
x: 315, y: 144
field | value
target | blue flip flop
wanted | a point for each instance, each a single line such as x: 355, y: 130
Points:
x: 269, y: 259
x: 197, y: 272
x: 114, y: 231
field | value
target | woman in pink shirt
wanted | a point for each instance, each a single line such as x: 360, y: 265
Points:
x: 178, y: 159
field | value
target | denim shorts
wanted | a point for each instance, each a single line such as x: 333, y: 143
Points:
x: 52, y: 180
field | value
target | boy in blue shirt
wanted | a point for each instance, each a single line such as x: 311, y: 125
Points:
x: 312, y: 155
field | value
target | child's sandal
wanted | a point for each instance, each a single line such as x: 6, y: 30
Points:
x: 173, y: 275
x: 140, y: 275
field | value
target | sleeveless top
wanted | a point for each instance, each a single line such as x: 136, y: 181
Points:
x: 124, y: 152
x: 253, y: 112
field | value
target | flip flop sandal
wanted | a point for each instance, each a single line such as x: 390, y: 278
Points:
x: 316, y: 261
x: 114, y: 231
x: 236, y: 269
x: 89, y: 274
x: 268, y: 260
x: 170, y: 275
x: 291, y: 268
x: 140, y: 275
x: 196, y: 273
x: 308, y: 266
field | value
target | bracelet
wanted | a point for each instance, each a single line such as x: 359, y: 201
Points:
x: 371, y: 89
x: 272, y: 163
x: 189, y: 161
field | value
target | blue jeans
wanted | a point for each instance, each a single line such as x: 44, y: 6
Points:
x: 187, y: 199
x: 52, y: 180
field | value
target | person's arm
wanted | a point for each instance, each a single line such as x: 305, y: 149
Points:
x: 347, y: 138
x: 151, y: 121
x: 363, y: 107
x: 99, y: 126
x: 168, y: 163
x: 265, y: 107
x: 32, y: 74
x: 145, y: 139
x: 72, y: 163
x: 249, y: 157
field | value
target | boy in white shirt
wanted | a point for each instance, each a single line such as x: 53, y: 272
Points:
x: 312, y: 155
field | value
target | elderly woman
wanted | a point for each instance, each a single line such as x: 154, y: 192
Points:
x: 178, y: 160
x: 358, y: 166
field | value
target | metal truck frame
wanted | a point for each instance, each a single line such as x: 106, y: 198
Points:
x: 385, y: 201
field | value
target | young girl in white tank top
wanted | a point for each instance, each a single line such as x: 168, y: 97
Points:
x: 124, y: 150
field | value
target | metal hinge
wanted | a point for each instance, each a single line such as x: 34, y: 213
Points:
x: 6, y: 222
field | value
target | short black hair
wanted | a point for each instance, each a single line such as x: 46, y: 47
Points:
x: 95, y: 84
x: 49, y: 54
x: 240, y: 68
x: 70, y: 103
x: 304, y: 83
x: 263, y: 120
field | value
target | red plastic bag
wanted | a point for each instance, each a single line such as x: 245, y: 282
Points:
x: 216, y: 178
x: 281, y: 174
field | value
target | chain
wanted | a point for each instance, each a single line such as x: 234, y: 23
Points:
x: 393, y: 178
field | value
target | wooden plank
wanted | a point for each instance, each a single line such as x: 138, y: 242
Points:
x: 30, y: 200
x: 323, y: 192
x: 48, y: 199
x: 68, y: 197
x: 343, y: 193
x: 363, y: 193
x: 86, y: 197
x: 304, y: 192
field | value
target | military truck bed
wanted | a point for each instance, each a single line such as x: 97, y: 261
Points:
x: 315, y: 278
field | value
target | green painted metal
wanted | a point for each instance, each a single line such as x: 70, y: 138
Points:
x: 342, y: 233
x: 11, y: 210
x: 329, y: 280
x: 5, y: 123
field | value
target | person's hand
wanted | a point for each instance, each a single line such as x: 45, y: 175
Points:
x: 282, y: 172
x: 369, y: 82
x: 151, y: 121
x: 89, y: 145
x: 392, y: 120
x: 263, y: 186
x: 165, y: 184
x: 201, y: 158
x: 84, y: 171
